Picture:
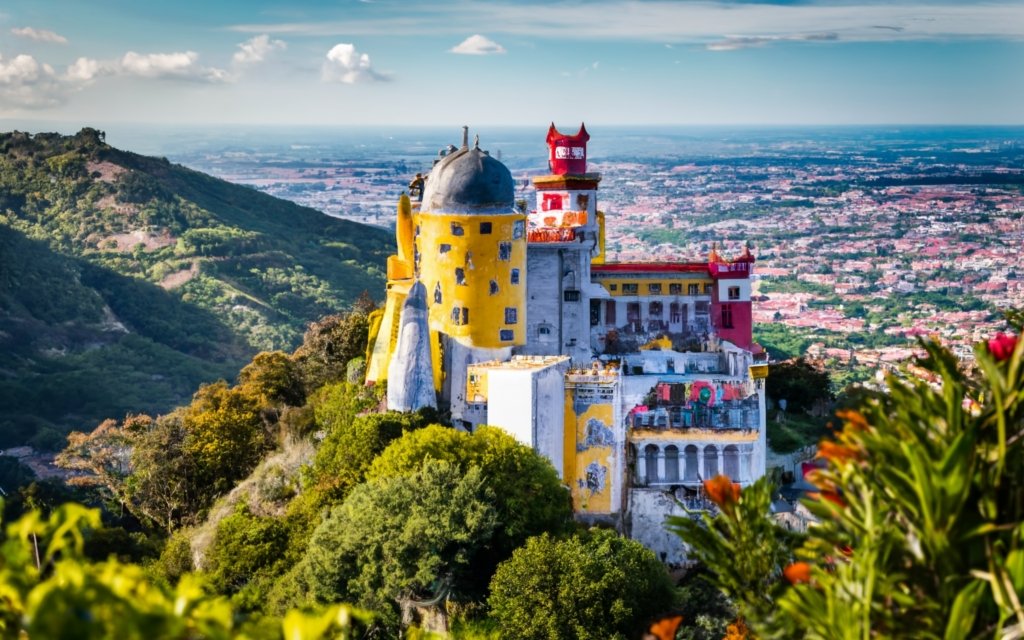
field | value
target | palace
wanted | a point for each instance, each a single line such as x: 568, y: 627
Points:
x: 636, y: 380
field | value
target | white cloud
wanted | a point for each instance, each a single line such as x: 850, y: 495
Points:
x: 27, y: 83
x: 732, y: 43
x: 680, y: 22
x: 346, y: 65
x: 86, y: 69
x: 181, y: 65
x: 40, y: 35
x: 477, y: 45
x: 256, y: 49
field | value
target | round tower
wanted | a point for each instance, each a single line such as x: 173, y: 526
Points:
x: 470, y: 250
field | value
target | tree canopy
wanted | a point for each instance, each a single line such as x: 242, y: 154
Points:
x: 594, y: 585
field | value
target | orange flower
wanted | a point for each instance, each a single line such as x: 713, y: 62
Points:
x: 854, y: 419
x: 837, y: 453
x: 722, y: 491
x: 737, y: 631
x: 797, y: 572
x: 665, y: 629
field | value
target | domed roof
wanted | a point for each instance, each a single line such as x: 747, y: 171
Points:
x: 469, y: 181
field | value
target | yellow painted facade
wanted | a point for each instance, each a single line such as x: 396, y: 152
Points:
x: 600, y: 257
x: 661, y: 282
x: 589, y: 464
x: 474, y: 269
x: 704, y: 435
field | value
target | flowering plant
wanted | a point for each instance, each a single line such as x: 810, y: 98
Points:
x: 920, y: 509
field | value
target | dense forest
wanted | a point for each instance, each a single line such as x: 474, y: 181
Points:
x: 126, y: 281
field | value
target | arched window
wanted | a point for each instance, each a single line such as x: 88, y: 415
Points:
x: 691, y: 456
x: 710, y: 461
x: 731, y: 462
x: 671, y: 463
x: 651, y: 462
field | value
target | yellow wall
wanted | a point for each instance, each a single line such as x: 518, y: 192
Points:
x: 642, y: 283
x: 478, y: 256
x: 581, y: 455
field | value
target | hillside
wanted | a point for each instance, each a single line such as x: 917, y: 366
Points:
x: 126, y: 281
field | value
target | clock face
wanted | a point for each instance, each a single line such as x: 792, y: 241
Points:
x: 570, y: 153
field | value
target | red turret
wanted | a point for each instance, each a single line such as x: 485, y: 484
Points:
x: 731, y: 311
x: 567, y: 155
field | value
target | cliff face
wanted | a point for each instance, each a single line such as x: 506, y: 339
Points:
x: 125, y: 280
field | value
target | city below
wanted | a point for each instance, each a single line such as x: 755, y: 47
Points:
x: 865, y: 238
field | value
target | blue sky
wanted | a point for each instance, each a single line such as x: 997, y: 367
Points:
x: 381, y: 62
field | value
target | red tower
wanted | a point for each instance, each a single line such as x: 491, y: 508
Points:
x: 731, y: 311
x: 567, y: 155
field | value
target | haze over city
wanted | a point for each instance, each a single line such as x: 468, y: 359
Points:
x: 511, y: 63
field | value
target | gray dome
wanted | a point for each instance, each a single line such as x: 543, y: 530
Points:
x: 469, y: 181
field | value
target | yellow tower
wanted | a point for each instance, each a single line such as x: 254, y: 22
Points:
x: 471, y: 251
x: 466, y: 243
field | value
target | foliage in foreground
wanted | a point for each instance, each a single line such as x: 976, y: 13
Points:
x: 49, y: 590
x: 922, y: 516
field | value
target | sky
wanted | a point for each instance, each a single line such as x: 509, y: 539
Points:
x: 509, y: 62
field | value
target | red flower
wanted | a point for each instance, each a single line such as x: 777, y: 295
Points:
x: 722, y: 491
x: 1002, y: 345
x: 797, y: 572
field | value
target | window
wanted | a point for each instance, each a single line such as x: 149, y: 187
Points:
x: 595, y: 312
x: 552, y: 201
x: 456, y: 315
x: 506, y: 335
x: 571, y: 295
x: 655, y: 309
x: 465, y: 315
x: 485, y: 228
x: 701, y: 308
x: 494, y: 287
x: 675, y: 313
x: 544, y: 330
x: 609, y: 312
x: 457, y: 229
x: 707, y: 289
x: 675, y: 289
x: 582, y: 200
x: 437, y: 293
x: 734, y: 293
x: 514, y: 279
x: 505, y: 251
x: 654, y: 287
x: 613, y: 287
x: 511, y: 315
x: 691, y: 290
x: 417, y: 231
x: 727, y: 316
x: 630, y: 288
x: 460, y: 276
x: 518, y: 229
x: 444, y: 248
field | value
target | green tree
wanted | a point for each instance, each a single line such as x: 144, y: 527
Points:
x: 346, y: 453
x: 802, y: 385
x: 402, y: 539
x: 273, y: 376
x: 245, y: 547
x: 530, y: 499
x: 224, y: 436
x: 331, y: 342
x: 594, y: 585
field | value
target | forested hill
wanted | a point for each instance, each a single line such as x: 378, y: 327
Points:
x: 126, y: 281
